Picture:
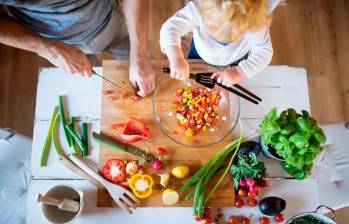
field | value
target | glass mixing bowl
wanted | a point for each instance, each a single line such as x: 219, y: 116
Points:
x: 165, y: 115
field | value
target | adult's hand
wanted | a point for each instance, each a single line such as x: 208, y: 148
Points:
x: 142, y: 76
x: 66, y: 57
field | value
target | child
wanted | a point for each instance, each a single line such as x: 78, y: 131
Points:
x: 232, y: 35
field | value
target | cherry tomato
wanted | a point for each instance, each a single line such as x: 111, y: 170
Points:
x: 279, y: 217
x: 197, y: 218
x: 233, y: 219
x: 161, y: 151
x: 264, y: 220
x: 239, y: 203
x: 206, y: 211
x: 251, y: 195
x: 245, y: 220
x: 208, y: 220
x: 252, y: 202
x: 242, y: 192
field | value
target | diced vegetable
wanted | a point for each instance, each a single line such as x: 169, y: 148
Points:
x: 64, y: 122
x: 196, y: 109
x: 46, y: 148
x: 84, y: 138
x: 113, y: 144
x: 157, y: 165
x: 76, y: 138
x: 141, y: 185
x: 114, y: 170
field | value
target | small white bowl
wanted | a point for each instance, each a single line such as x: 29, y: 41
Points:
x: 57, y: 216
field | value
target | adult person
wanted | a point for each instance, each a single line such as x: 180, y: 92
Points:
x: 63, y: 30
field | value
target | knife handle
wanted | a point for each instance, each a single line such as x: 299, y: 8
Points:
x: 168, y: 71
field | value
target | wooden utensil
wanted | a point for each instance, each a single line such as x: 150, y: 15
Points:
x: 78, y: 171
x: 63, y: 204
x: 124, y: 198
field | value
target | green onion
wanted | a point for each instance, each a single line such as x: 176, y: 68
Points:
x: 84, y: 138
x: 55, y: 135
x: 64, y: 122
x: 76, y: 138
x: 73, y: 143
x: 47, y: 145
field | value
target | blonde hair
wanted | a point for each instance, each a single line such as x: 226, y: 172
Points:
x: 234, y: 17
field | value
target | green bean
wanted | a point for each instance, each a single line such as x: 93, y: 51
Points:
x: 73, y: 143
x: 84, y: 137
x: 64, y: 122
x: 48, y: 140
x: 76, y: 137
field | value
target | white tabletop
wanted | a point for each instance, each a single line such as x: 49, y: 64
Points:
x: 278, y: 86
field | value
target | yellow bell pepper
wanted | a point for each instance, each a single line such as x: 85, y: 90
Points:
x: 141, y: 185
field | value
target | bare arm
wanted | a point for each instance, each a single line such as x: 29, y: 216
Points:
x: 69, y: 58
x: 142, y: 74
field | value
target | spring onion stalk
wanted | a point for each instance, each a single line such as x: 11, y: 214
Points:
x: 47, y: 145
x: 84, y: 138
x: 76, y: 138
x: 64, y: 122
x: 55, y: 135
x: 73, y: 143
x: 229, y: 165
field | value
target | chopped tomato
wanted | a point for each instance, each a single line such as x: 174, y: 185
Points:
x: 107, y: 92
x: 161, y: 151
x: 114, y: 171
x: 134, y: 131
x: 117, y: 125
x: 135, y: 98
x: 196, y: 109
x: 111, y: 98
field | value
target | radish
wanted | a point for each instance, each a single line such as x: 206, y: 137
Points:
x: 157, y: 165
x: 250, y: 182
x: 242, y: 183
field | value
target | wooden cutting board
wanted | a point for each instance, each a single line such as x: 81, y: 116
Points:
x: 120, y: 110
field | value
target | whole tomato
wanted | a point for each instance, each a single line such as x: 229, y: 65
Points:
x: 279, y: 217
x: 242, y: 192
x: 239, y: 203
x: 233, y: 219
x: 245, y: 220
x: 197, y: 218
x: 251, y: 195
x: 252, y: 202
x: 264, y: 220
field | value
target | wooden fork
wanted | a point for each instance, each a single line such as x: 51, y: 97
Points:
x: 124, y: 198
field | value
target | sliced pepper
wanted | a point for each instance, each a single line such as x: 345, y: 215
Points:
x: 141, y: 185
x: 114, y: 170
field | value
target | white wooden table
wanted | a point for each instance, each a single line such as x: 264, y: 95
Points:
x: 278, y: 86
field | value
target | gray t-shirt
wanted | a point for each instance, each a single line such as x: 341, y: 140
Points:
x: 71, y: 21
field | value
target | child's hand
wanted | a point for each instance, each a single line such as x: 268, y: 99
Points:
x: 178, y: 65
x: 227, y: 77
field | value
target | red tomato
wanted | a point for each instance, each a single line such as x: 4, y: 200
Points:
x: 197, y: 218
x: 134, y: 131
x: 242, y: 192
x: 233, y: 219
x: 251, y: 195
x: 208, y: 220
x: 264, y: 220
x: 114, y: 171
x: 117, y: 125
x: 245, y: 220
x: 252, y: 202
x: 161, y: 151
x: 279, y: 217
x: 111, y: 98
x: 239, y: 203
x: 107, y: 92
